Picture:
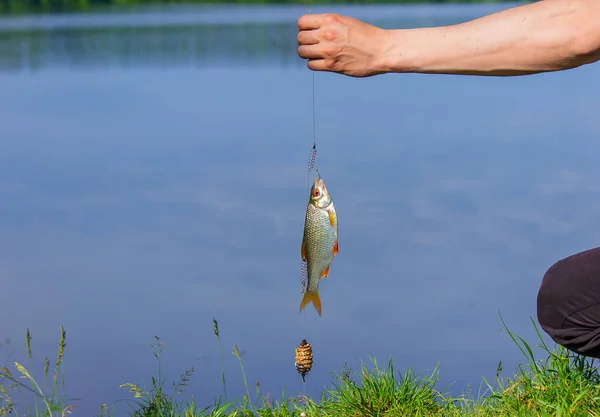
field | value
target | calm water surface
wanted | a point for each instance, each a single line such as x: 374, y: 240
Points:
x: 153, y: 177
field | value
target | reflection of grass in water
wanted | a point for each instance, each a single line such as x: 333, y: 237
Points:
x: 563, y: 384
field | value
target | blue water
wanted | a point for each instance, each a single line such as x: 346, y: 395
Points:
x: 153, y: 177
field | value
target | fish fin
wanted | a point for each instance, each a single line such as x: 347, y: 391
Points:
x: 331, y: 218
x: 335, y: 248
x: 311, y: 297
x: 325, y: 272
x: 302, y: 249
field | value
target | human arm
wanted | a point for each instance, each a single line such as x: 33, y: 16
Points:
x: 548, y: 35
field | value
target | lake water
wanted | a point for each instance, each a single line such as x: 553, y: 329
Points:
x: 153, y: 177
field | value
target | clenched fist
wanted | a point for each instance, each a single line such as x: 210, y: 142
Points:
x: 341, y: 44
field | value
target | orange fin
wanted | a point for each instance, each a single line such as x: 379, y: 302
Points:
x: 331, y: 218
x: 302, y: 250
x: 335, y: 248
x: 311, y: 297
x: 325, y: 272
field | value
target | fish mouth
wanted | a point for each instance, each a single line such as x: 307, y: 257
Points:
x: 319, y: 186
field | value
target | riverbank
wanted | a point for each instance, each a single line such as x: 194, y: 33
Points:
x: 561, y: 383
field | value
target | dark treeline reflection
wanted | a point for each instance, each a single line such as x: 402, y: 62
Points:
x: 210, y: 45
x: 33, y: 6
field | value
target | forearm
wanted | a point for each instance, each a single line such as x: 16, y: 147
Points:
x: 548, y: 35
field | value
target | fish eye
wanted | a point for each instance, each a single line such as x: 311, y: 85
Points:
x: 316, y: 193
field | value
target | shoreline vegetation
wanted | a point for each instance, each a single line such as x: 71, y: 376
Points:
x: 10, y: 7
x: 560, y: 384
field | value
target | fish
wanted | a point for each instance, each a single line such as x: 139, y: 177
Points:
x: 319, y: 241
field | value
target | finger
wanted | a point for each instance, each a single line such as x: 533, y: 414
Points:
x: 309, y: 52
x: 307, y: 38
x: 319, y: 65
x: 309, y: 21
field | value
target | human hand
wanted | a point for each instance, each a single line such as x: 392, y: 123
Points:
x: 341, y: 44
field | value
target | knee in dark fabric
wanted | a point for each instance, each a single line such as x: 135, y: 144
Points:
x: 568, y: 302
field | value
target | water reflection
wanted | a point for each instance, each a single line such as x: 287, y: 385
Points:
x: 149, y: 46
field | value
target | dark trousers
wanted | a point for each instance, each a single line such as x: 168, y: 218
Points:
x: 568, y: 303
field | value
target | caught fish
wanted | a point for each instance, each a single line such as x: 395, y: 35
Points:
x: 319, y: 242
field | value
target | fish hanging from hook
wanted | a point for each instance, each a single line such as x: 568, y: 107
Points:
x: 319, y: 242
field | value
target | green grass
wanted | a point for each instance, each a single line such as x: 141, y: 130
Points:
x: 560, y: 384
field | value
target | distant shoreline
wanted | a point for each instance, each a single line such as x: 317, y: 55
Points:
x: 16, y: 7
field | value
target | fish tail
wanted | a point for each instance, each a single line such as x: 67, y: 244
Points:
x: 311, y: 297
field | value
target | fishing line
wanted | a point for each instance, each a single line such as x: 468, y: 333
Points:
x: 304, y: 392
x: 313, y: 152
x: 312, y: 164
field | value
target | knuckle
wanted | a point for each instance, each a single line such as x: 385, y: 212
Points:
x: 330, y: 51
x: 329, y: 35
x: 329, y: 18
x: 330, y: 65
